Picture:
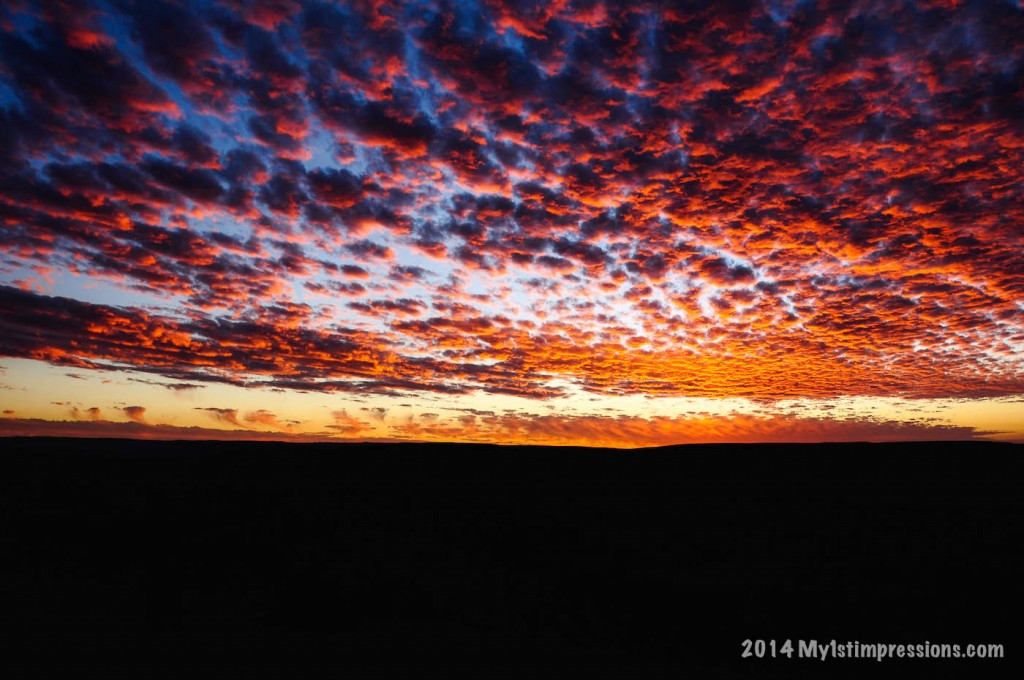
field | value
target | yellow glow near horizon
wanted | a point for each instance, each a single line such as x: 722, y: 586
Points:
x: 52, y: 393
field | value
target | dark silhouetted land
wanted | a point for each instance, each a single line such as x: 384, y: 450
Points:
x: 438, y: 553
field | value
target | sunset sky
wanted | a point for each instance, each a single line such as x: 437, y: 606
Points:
x: 616, y: 224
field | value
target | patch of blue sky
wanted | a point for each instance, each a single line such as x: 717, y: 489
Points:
x: 410, y: 257
x: 118, y: 28
x: 221, y: 223
x: 8, y: 97
x: 781, y: 10
x: 101, y: 290
x: 323, y: 152
x: 708, y: 293
x: 25, y: 25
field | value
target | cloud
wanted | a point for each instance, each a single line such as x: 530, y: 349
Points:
x: 223, y: 415
x: 763, y: 199
x: 633, y: 431
x: 184, y: 387
x: 527, y: 428
x: 289, y: 353
x: 31, y: 427
x: 136, y: 414
x: 266, y: 418
x: 348, y: 425
x: 378, y: 413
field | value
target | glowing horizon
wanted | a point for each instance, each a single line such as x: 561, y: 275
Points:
x: 553, y: 223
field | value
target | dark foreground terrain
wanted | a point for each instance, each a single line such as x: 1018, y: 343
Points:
x: 441, y: 555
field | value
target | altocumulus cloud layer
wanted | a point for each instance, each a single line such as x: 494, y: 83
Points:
x: 767, y: 199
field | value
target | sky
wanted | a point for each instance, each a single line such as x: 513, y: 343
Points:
x: 565, y: 223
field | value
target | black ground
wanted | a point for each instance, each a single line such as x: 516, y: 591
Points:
x: 438, y: 555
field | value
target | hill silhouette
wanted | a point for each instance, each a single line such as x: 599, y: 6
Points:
x: 660, y: 556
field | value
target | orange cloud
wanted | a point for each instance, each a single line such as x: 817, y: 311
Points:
x: 347, y: 425
x: 263, y: 417
x: 632, y: 431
